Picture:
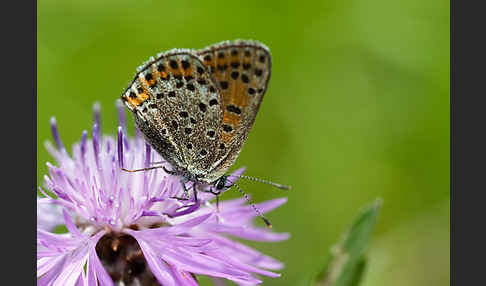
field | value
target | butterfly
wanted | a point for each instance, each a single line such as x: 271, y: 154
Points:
x: 196, y: 107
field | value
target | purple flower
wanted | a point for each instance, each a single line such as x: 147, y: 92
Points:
x: 133, y: 228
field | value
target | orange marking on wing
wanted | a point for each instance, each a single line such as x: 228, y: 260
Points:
x: 137, y: 101
x: 209, y: 63
x: 175, y: 72
x: 149, y: 83
x: 152, y: 81
x: 221, y: 61
x: 163, y: 74
x: 141, y: 97
x: 226, y: 137
x: 129, y: 101
x: 231, y: 119
x: 239, y: 95
x: 235, y: 58
x: 187, y: 72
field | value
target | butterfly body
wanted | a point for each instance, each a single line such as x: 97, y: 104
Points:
x: 196, y: 107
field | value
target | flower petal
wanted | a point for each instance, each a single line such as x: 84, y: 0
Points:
x: 73, y: 267
x: 70, y: 224
x: 159, y: 267
x: 182, y: 277
x: 248, y: 232
x: 246, y: 253
x: 204, y: 264
x: 50, y: 275
x: 82, y: 281
x: 96, y: 271
x: 235, y: 176
x: 48, y: 214
x: 68, y: 265
x: 190, y: 261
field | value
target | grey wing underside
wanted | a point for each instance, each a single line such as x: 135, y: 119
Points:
x: 180, y: 118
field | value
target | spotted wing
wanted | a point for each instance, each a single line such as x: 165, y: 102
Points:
x: 176, y: 106
x: 242, y: 70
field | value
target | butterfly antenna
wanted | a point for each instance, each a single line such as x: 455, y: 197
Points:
x: 247, y: 198
x: 282, y: 187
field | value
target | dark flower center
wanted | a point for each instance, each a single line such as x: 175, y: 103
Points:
x: 124, y: 261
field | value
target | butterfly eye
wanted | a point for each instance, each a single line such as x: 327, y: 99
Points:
x: 221, y: 183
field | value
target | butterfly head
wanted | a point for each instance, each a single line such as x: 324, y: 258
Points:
x: 220, y: 184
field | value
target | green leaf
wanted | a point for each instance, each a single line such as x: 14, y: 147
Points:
x: 347, y: 262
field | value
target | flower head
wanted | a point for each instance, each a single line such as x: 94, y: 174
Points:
x: 133, y: 228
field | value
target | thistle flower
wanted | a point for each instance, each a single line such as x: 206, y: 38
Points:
x: 133, y: 228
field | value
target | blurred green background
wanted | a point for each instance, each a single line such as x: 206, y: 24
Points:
x: 357, y: 108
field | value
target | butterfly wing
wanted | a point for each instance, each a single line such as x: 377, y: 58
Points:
x: 242, y: 70
x: 177, y: 107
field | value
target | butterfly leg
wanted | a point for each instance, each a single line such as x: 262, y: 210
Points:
x: 211, y: 192
x: 195, y: 191
x: 180, y: 199
x: 150, y: 168
x: 216, y: 194
x: 185, y: 191
x: 192, y: 206
x: 217, y: 204
x: 141, y: 170
x: 168, y: 171
x: 183, y: 184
